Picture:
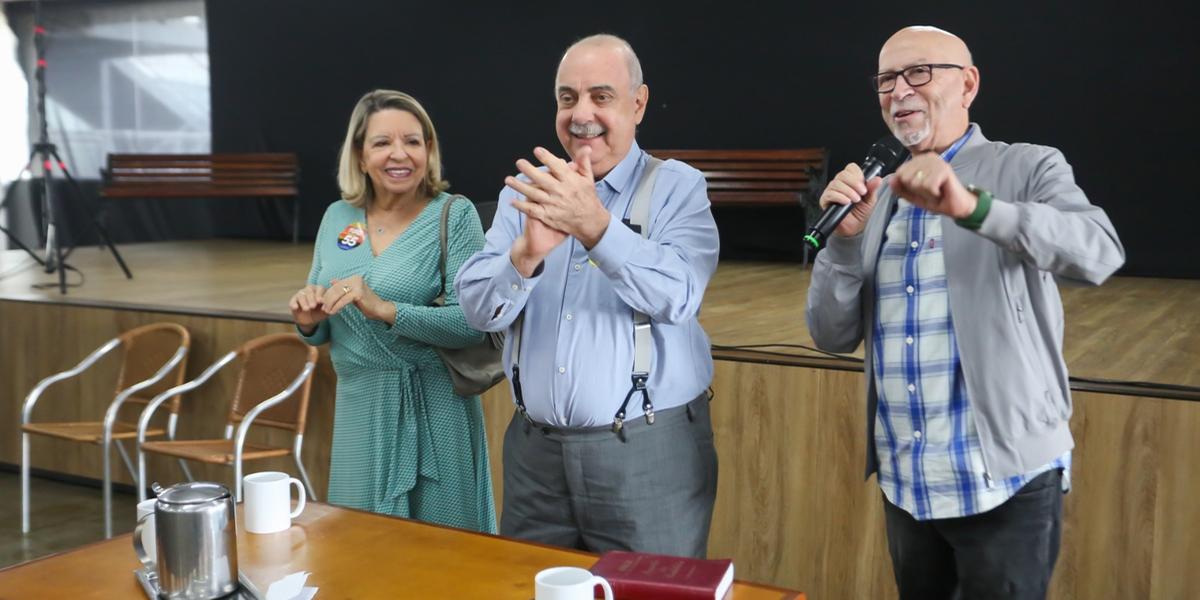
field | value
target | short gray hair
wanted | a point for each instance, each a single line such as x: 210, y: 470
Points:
x: 631, y: 59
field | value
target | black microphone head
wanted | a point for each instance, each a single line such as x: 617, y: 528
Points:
x: 884, y: 156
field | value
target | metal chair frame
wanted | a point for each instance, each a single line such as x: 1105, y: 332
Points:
x: 110, y: 419
x: 239, y: 435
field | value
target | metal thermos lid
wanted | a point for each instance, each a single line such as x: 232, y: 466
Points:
x: 194, y: 492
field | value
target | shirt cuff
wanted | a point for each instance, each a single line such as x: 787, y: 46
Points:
x: 615, y: 248
x: 511, y: 284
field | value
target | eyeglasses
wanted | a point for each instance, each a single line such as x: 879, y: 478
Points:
x: 916, y: 76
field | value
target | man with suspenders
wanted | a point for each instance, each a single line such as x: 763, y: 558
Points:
x: 595, y: 268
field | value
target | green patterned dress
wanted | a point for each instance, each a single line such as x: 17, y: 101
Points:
x: 403, y: 443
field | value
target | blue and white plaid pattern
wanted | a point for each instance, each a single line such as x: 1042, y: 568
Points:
x: 930, y: 461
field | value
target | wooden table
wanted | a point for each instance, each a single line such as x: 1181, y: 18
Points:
x: 350, y: 554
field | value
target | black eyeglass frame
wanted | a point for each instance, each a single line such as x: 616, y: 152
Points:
x: 901, y: 73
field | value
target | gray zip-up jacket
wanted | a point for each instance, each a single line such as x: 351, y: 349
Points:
x: 1004, y: 300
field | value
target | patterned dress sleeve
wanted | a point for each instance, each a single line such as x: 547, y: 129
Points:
x: 446, y: 326
x: 321, y: 334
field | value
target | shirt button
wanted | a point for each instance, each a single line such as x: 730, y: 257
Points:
x: 908, y: 340
x: 912, y: 388
x: 562, y: 369
x: 578, y: 267
x: 910, y: 289
x: 569, y: 316
x: 515, y: 287
x: 915, y: 244
x: 917, y: 434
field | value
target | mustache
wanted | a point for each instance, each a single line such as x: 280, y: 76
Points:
x: 589, y: 129
x: 906, y: 106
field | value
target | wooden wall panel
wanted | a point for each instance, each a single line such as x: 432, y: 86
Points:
x: 792, y: 506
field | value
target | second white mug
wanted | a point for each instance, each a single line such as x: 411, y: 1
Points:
x: 146, y: 507
x: 268, y: 501
x: 568, y: 583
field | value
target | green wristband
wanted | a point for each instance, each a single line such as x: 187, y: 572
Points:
x: 975, y: 220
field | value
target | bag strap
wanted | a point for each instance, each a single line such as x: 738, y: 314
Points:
x: 445, y: 243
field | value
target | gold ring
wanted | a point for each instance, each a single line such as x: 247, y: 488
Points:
x: 345, y: 289
x: 919, y: 175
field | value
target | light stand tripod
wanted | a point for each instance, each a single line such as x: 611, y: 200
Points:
x: 44, y: 151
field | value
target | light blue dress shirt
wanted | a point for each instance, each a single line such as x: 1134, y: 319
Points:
x: 577, y: 341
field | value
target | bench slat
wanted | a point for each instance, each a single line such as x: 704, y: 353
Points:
x: 247, y: 179
x: 707, y: 165
x: 752, y: 186
x: 789, y: 154
x: 800, y: 176
x: 192, y: 191
x: 719, y: 198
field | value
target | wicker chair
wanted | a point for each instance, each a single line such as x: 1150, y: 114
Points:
x: 155, y: 358
x: 272, y: 390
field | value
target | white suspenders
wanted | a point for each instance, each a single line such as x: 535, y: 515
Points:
x: 639, y: 221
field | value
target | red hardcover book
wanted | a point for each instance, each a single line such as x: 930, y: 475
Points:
x: 640, y: 576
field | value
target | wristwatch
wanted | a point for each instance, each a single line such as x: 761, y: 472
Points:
x: 982, y: 207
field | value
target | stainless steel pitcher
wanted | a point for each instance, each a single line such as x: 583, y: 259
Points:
x: 197, y: 542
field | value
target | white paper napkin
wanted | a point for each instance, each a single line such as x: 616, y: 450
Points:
x: 291, y: 587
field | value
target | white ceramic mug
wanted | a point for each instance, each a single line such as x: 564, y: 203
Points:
x: 146, y: 507
x: 268, y: 501
x: 568, y: 583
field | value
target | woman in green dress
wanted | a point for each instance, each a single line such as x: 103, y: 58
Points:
x: 403, y: 443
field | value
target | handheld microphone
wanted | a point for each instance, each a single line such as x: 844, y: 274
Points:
x: 883, y: 158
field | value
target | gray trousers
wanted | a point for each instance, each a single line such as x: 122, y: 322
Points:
x: 588, y: 489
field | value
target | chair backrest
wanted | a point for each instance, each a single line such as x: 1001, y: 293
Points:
x: 268, y: 365
x: 147, y: 349
x: 487, y: 213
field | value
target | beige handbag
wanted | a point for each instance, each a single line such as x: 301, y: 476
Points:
x: 475, y: 368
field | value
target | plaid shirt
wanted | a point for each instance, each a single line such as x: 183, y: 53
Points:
x: 930, y: 461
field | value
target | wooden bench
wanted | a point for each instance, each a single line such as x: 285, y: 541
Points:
x: 761, y: 178
x: 246, y: 175
x: 758, y: 177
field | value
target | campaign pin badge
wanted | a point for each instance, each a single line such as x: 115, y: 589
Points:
x: 352, y: 236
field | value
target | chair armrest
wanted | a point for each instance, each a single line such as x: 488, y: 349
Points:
x: 86, y: 363
x: 148, y: 412
x: 110, y: 416
x: 244, y: 426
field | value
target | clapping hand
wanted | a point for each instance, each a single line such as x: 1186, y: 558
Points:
x: 563, y: 197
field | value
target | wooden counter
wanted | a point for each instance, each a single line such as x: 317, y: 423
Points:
x: 349, y: 554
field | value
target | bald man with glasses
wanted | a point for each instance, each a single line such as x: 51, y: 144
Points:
x: 946, y: 272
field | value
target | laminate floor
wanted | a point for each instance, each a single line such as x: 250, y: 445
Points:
x: 63, y: 516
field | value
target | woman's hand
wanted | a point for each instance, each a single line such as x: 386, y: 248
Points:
x: 353, y: 290
x: 306, y: 308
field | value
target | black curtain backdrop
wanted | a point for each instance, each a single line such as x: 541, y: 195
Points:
x: 1112, y: 86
